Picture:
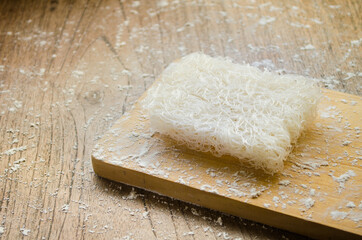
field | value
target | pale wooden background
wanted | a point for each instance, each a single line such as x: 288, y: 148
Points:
x: 69, y: 69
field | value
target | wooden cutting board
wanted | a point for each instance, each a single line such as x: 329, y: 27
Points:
x: 318, y: 194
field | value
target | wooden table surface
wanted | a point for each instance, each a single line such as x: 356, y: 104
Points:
x: 69, y: 69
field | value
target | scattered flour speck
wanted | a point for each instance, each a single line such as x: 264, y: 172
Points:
x: 307, y: 202
x: 65, y: 208
x: 162, y: 3
x: 350, y: 204
x: 339, y: 215
x: 188, y: 233
x: 266, y: 20
x: 308, y: 47
x: 284, y: 182
x: 25, y: 231
x: 342, y: 179
x: 136, y: 4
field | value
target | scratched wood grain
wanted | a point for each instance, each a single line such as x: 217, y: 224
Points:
x: 69, y: 69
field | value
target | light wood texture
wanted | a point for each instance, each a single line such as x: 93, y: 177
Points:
x: 310, y: 196
x: 63, y: 84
